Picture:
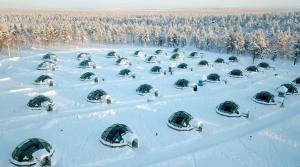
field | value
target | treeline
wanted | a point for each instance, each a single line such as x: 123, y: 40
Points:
x: 239, y: 33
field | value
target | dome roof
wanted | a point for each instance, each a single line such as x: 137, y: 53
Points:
x: 213, y: 77
x: 228, y: 107
x: 291, y: 88
x: 176, y: 56
x: 182, y: 66
x: 180, y: 120
x: 50, y: 56
x: 263, y: 65
x: 194, y: 54
x: 86, y: 63
x: 124, y: 72
x: 83, y: 55
x: 120, y: 60
x: 156, y: 69
x: 112, y: 54
x: 23, y: 154
x: 87, y: 76
x: 139, y: 53
x: 236, y: 72
x: 219, y: 60
x: 297, y: 80
x: 182, y: 83
x: 264, y: 97
x: 233, y: 59
x: 176, y: 50
x: 159, y: 51
x: 144, y: 88
x: 46, y: 65
x: 37, y: 101
x: 252, y: 69
x: 96, y: 95
x: 114, y: 134
x: 151, y: 59
x: 42, y: 78
x: 203, y: 63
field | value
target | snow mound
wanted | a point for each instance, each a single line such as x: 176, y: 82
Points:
x: 14, y: 59
x: 20, y: 90
x: 49, y: 93
x: 5, y: 79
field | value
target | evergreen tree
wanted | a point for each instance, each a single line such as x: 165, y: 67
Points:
x: 255, y: 51
x: 5, y: 36
x: 296, y: 51
x: 240, y: 44
x: 230, y: 43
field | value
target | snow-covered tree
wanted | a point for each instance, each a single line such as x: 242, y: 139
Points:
x: 261, y: 42
x: 67, y: 33
x: 223, y: 33
x: 296, y: 51
x: 5, y: 36
x: 230, y: 43
x: 240, y: 43
x: 282, y: 43
x: 255, y: 51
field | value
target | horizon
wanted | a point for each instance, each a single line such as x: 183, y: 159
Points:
x: 140, y: 5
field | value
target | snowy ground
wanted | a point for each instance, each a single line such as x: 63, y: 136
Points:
x: 75, y: 127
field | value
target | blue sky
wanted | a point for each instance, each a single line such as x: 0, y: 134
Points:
x: 145, y: 4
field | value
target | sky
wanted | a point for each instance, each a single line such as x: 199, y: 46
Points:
x: 147, y: 4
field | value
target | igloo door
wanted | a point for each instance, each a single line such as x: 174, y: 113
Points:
x: 135, y: 143
x: 46, y: 162
x: 108, y: 99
